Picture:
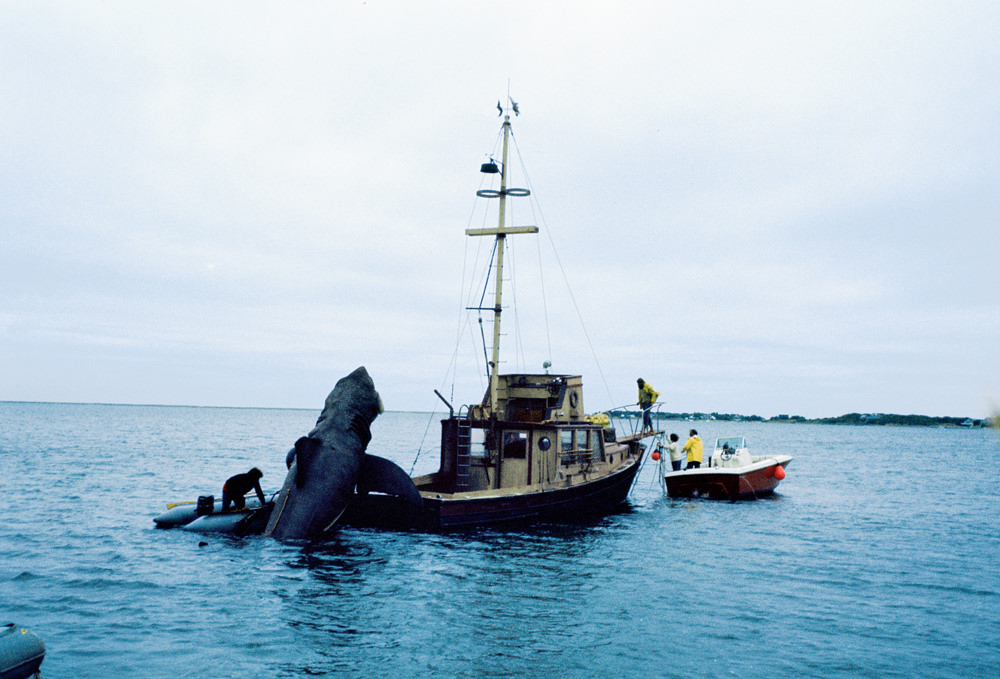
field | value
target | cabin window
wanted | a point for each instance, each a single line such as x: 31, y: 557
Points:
x: 515, y: 444
x: 567, y: 451
x: 544, y: 443
x: 588, y: 445
x: 580, y: 446
x: 597, y: 446
x: 478, y: 447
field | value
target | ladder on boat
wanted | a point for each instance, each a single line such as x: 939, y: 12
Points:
x: 463, y: 456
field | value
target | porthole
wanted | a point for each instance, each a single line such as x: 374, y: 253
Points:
x: 544, y: 443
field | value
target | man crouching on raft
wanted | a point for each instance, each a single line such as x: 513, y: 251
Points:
x: 237, y: 486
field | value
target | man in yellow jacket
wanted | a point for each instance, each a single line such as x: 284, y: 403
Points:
x: 693, y: 449
x: 647, y: 397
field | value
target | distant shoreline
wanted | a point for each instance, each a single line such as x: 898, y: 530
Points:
x: 852, y: 419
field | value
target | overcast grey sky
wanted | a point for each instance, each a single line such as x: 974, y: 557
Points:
x: 760, y: 207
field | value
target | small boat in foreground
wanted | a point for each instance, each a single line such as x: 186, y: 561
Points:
x: 21, y: 652
x: 731, y: 473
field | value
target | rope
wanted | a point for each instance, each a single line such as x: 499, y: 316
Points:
x: 421, y: 446
x: 562, y: 270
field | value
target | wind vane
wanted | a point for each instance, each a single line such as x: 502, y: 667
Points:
x: 513, y: 106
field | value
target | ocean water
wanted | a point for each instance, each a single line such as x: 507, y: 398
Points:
x: 879, y: 557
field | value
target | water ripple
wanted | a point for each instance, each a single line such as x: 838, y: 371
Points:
x: 863, y: 565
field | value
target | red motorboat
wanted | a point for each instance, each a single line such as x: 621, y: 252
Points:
x: 731, y: 473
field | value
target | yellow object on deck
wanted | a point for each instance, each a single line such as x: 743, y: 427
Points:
x: 599, y: 418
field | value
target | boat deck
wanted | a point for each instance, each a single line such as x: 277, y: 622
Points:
x: 629, y: 438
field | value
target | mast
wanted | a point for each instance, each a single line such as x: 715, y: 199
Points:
x: 501, y: 233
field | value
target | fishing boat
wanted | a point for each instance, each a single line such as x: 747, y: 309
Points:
x: 528, y: 451
x: 21, y: 652
x: 731, y: 473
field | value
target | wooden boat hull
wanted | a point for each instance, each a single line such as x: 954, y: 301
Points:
x: 599, y: 496
x: 721, y: 483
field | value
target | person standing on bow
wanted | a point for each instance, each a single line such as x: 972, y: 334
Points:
x: 647, y: 397
x: 693, y: 449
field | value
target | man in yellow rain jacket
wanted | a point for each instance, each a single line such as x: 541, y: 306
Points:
x: 693, y: 449
x: 647, y: 397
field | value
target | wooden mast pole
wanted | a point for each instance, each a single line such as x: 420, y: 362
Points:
x: 498, y: 294
x: 500, y: 232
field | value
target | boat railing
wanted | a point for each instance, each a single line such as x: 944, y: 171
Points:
x: 582, y: 456
x: 629, y: 418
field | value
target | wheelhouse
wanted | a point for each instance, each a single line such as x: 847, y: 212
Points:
x: 538, y: 435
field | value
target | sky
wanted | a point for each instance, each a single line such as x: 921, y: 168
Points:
x: 758, y: 207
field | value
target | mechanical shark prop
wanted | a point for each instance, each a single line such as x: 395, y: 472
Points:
x: 327, y: 469
x: 325, y: 466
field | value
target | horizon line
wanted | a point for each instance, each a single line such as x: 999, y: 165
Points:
x: 783, y: 416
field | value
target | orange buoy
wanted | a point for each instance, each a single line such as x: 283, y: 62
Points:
x: 779, y: 472
x: 655, y: 455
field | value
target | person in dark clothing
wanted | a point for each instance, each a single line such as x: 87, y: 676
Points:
x: 237, y: 486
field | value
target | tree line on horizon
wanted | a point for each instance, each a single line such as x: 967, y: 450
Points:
x: 866, y: 419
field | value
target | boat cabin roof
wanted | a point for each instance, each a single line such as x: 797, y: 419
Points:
x: 536, y: 398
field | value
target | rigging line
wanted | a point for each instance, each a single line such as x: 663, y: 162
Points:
x: 486, y: 355
x: 422, y: 440
x: 480, y: 370
x: 562, y: 270
x: 532, y: 203
x: 486, y: 283
x: 576, y: 306
x: 518, y: 337
x: 479, y: 241
x: 545, y: 303
x: 466, y: 306
x: 463, y: 315
x: 466, y: 293
x: 465, y: 322
x: 467, y: 325
x: 479, y: 309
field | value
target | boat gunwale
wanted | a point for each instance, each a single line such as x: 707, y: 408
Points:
x: 764, y: 463
x: 488, y: 494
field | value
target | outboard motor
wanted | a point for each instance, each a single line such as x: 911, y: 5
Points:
x: 206, y: 504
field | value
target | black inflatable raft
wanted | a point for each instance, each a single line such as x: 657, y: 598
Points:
x: 21, y: 652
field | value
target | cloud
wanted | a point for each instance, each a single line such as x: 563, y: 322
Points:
x: 781, y: 207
